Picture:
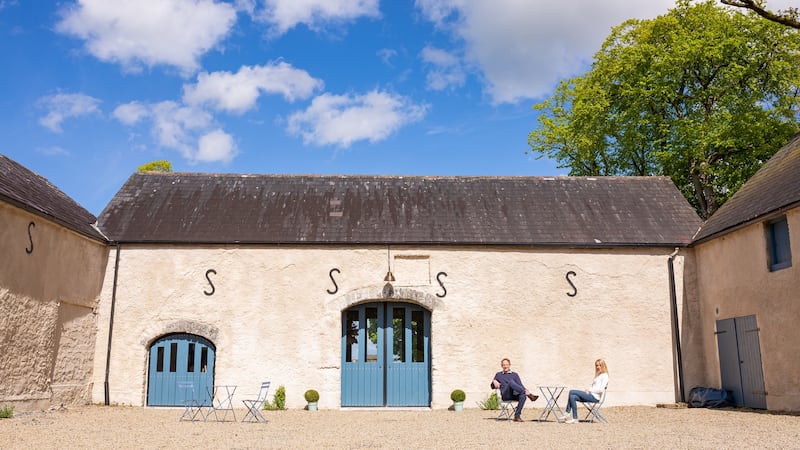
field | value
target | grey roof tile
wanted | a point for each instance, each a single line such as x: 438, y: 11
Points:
x: 354, y: 209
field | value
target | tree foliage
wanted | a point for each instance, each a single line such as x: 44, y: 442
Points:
x: 156, y: 166
x: 789, y: 16
x: 702, y: 94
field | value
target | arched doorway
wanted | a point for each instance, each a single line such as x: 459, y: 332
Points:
x: 386, y: 355
x: 175, y: 358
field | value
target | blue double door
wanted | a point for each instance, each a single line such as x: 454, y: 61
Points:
x: 386, y: 355
x: 175, y: 360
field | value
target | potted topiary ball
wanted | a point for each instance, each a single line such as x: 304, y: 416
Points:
x: 312, y: 397
x: 458, y: 396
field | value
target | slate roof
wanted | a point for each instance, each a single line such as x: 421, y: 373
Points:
x: 354, y: 209
x: 33, y: 193
x: 774, y: 188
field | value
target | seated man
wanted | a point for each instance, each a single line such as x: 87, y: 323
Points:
x: 511, y: 387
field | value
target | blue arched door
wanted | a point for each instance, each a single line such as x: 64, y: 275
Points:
x: 176, y: 358
x: 386, y: 355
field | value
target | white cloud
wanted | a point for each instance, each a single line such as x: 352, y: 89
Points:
x: 131, y: 113
x: 6, y: 3
x: 781, y: 5
x: 440, y: 11
x: 447, y: 70
x: 64, y: 106
x: 775, y: 5
x: 386, y: 55
x: 522, y: 48
x: 283, y: 15
x: 216, y: 145
x: 176, y: 126
x: 343, y: 119
x: 149, y: 32
x: 238, y: 92
x: 248, y: 6
x: 438, y: 57
x: 187, y: 129
x: 54, y: 150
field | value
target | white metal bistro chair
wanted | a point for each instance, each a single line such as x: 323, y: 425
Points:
x: 255, y: 406
x: 594, y: 409
x: 507, y: 407
x: 192, y: 407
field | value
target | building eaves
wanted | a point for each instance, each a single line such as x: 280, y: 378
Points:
x: 33, y: 193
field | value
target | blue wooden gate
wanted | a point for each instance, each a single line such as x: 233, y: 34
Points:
x: 386, y: 355
x: 180, y: 357
x: 740, y: 361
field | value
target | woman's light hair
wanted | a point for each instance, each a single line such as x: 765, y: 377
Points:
x: 603, y: 367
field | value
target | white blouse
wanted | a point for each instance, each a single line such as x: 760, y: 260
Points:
x: 599, y: 385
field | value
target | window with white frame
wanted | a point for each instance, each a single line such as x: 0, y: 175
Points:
x: 780, y: 253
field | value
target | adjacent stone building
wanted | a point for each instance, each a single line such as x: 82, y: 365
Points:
x: 748, y: 288
x: 50, y: 254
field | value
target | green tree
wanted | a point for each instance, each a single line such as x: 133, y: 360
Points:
x: 156, y: 166
x: 703, y: 94
x: 789, y: 16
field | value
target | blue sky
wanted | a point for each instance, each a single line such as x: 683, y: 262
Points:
x: 91, y: 89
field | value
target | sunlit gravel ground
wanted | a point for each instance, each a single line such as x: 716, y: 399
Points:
x: 101, y: 427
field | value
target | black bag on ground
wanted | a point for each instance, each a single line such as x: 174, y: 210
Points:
x: 705, y: 397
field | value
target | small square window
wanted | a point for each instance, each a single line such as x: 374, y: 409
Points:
x: 780, y: 253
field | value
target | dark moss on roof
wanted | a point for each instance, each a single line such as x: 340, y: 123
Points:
x: 297, y: 209
x: 33, y: 193
x: 774, y: 188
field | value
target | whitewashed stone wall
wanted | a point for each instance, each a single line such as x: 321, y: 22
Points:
x: 735, y: 281
x: 49, y: 288
x: 270, y: 316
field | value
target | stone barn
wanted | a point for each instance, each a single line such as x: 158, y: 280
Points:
x: 384, y: 291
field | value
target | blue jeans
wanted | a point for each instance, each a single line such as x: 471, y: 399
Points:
x: 574, y: 397
x: 518, y: 393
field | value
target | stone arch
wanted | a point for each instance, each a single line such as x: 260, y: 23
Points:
x: 158, y: 330
x: 378, y: 294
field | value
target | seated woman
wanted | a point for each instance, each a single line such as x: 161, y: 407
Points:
x: 591, y: 395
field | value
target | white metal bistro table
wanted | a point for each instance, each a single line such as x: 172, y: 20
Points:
x: 222, y: 402
x: 551, y: 395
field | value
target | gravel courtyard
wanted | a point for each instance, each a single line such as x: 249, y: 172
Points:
x: 100, y: 427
